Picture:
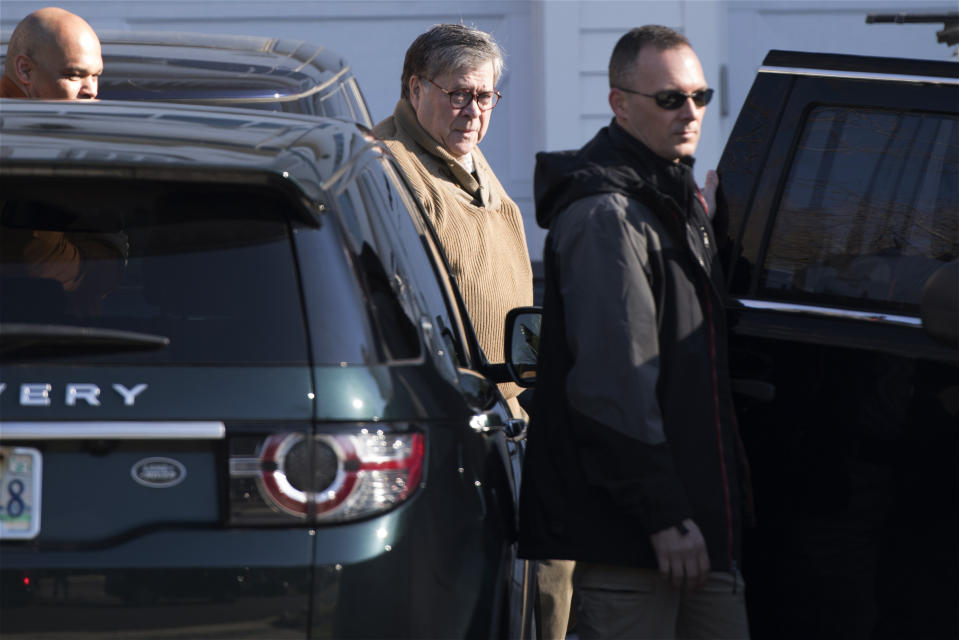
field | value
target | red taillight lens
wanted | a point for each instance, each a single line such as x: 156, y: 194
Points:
x: 328, y: 477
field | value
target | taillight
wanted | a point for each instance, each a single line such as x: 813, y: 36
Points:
x: 328, y: 477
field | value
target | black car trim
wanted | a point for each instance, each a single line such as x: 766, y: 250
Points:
x: 859, y: 75
x: 849, y: 314
x: 128, y: 430
x: 311, y: 213
x: 820, y: 62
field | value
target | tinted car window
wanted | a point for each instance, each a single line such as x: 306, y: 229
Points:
x: 409, y: 297
x: 383, y: 280
x: 868, y: 211
x: 209, y: 267
x: 431, y: 292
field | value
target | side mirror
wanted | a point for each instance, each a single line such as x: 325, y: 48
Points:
x: 939, y: 304
x: 479, y: 392
x: 523, y: 326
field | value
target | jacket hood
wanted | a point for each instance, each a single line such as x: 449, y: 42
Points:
x: 612, y: 162
x: 562, y: 177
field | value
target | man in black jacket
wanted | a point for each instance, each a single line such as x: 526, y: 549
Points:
x: 634, y: 467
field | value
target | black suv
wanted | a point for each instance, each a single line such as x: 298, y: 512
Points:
x: 228, y: 70
x: 840, y: 209
x: 239, y: 395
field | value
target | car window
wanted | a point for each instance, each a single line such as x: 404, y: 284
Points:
x: 868, y: 210
x: 341, y: 100
x: 345, y: 100
x: 383, y: 278
x: 426, y: 266
x: 210, y: 267
x: 393, y: 247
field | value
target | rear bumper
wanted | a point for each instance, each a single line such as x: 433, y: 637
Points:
x: 391, y: 576
x: 193, y: 583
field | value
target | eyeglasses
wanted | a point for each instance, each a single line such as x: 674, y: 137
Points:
x: 485, y: 100
x: 672, y: 100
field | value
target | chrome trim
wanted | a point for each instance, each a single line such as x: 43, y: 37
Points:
x: 158, y: 461
x: 245, y: 467
x: 859, y: 75
x: 847, y: 314
x: 112, y: 431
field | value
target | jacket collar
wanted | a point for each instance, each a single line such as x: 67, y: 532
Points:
x: 674, y: 179
x: 476, y: 185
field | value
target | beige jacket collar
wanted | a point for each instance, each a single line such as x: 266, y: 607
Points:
x: 477, y: 186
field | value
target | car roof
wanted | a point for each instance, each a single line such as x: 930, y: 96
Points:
x: 134, y: 139
x: 225, y: 69
x: 808, y: 62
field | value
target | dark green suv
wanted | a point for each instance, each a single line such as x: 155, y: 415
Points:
x: 239, y: 396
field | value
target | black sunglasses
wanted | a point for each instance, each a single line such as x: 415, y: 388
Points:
x: 672, y: 100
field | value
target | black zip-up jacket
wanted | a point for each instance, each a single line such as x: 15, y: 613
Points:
x: 633, y: 428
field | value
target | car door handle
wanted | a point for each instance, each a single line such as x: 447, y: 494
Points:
x: 513, y: 428
x: 755, y: 389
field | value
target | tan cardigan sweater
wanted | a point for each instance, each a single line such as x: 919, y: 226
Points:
x: 480, y: 228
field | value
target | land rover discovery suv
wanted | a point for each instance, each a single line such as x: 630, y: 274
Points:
x: 239, y: 396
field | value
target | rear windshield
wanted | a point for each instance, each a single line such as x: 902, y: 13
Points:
x: 198, y: 273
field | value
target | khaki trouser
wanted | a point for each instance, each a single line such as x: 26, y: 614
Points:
x: 554, y: 580
x: 634, y: 604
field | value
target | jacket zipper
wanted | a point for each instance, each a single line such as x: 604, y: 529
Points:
x: 707, y: 289
x: 719, y: 432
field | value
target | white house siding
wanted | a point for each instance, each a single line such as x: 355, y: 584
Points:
x: 826, y: 26
x: 576, y: 40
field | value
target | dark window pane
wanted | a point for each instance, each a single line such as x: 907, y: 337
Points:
x: 869, y: 210
x: 210, y: 267
x: 339, y: 320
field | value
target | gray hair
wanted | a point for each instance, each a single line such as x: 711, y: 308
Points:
x: 446, y: 48
x: 622, y: 64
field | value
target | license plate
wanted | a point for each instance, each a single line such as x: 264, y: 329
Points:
x: 20, y: 474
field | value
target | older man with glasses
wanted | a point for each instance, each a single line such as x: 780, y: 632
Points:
x: 447, y: 98
x: 634, y: 466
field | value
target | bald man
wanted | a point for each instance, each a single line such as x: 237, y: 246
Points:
x: 53, y: 55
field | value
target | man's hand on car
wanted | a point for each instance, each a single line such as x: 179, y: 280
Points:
x: 681, y: 553
x: 709, y: 192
